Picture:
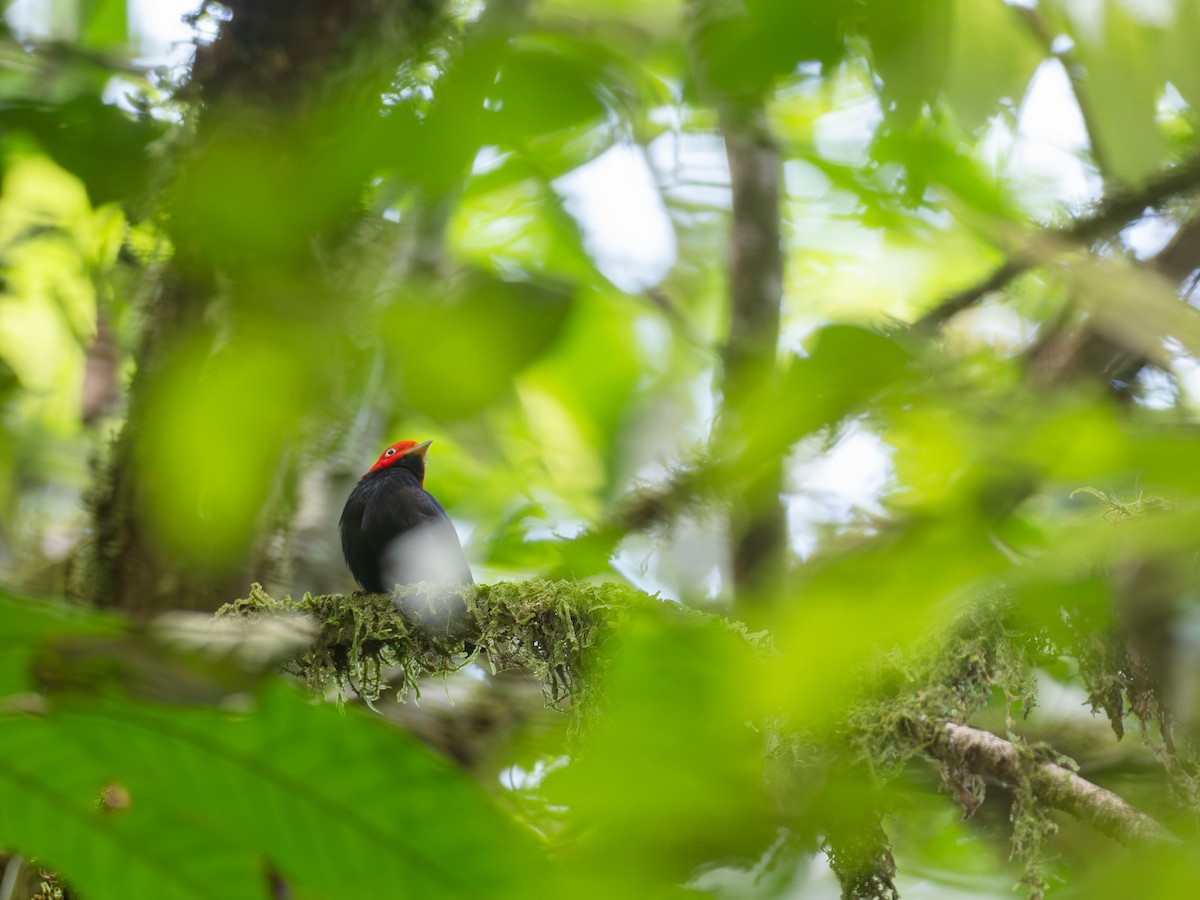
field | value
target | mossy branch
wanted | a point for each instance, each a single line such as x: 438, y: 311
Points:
x: 556, y: 630
x: 548, y: 628
x: 1056, y: 786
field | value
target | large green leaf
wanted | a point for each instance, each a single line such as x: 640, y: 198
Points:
x: 1123, y: 76
x: 23, y: 623
x: 992, y: 57
x: 743, y: 47
x: 96, y: 142
x: 455, y: 352
x: 104, y: 24
x: 544, y: 85
x: 129, y: 798
x: 910, y: 44
x: 675, y: 773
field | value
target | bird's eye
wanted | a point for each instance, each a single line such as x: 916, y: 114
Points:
x: 391, y: 451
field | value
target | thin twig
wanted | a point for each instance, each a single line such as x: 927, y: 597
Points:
x: 758, y: 524
x: 1112, y: 214
x: 8, y: 885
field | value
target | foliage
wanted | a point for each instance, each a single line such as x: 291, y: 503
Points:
x: 212, y: 789
x: 866, y: 324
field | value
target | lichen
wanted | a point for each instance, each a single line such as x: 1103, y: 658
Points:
x: 948, y: 678
x: 373, y: 642
x: 1031, y: 828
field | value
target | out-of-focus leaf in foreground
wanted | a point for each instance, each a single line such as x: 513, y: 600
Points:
x: 674, y: 772
x: 96, y: 142
x: 134, y: 799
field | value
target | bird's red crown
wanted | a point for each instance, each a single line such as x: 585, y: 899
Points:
x: 393, y: 453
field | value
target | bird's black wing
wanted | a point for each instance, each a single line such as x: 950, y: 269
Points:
x: 362, y: 554
x: 412, y: 536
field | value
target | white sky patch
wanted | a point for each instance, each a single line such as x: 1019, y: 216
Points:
x: 162, y: 35
x: 625, y: 225
x: 519, y: 778
x: 836, y: 485
x: 156, y: 26
x: 997, y: 325
x: 1149, y: 235
x: 687, y: 562
x: 1047, y: 155
x: 844, y: 134
x: 1158, y: 388
x: 692, y: 168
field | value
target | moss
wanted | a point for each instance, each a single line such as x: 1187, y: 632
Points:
x: 1118, y: 510
x: 1031, y: 828
x: 559, y: 632
x: 948, y: 678
x: 548, y: 628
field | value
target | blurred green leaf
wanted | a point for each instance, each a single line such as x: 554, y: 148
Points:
x: 213, y: 434
x: 743, y: 47
x: 910, y: 46
x: 457, y: 353
x: 931, y: 157
x: 512, y: 222
x: 847, y: 366
x: 26, y: 622
x: 1123, y: 79
x: 96, y: 142
x: 674, y: 773
x: 541, y: 87
x: 104, y: 24
x: 129, y: 798
x: 992, y: 57
x: 256, y: 196
x: 575, y: 398
x: 1177, y: 52
x: 880, y: 594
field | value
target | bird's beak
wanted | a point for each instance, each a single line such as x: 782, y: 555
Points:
x: 420, y: 449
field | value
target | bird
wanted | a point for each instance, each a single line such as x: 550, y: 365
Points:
x: 394, y: 531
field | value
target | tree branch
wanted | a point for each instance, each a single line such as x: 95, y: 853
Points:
x: 1112, y: 214
x: 758, y: 525
x: 552, y: 629
x: 549, y: 629
x: 983, y: 753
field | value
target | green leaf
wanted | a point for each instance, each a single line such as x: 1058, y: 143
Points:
x: 134, y: 799
x: 50, y: 789
x: 992, y: 57
x: 910, y: 44
x: 200, y: 405
x: 846, y: 367
x: 104, y: 23
x: 24, y: 623
x: 456, y: 353
x: 1180, y: 53
x: 676, y: 775
x: 1123, y: 78
x: 96, y: 142
x: 743, y: 47
x: 541, y: 88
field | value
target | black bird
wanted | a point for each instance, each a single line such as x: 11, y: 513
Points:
x: 394, y: 531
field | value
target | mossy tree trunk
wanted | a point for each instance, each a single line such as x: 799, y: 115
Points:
x: 293, y: 73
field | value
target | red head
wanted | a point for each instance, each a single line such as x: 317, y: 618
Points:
x: 398, y: 451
